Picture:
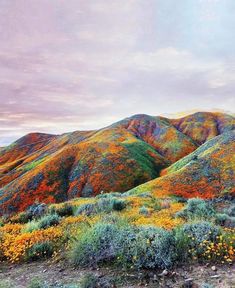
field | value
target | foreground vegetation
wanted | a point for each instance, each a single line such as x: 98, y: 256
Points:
x: 128, y: 231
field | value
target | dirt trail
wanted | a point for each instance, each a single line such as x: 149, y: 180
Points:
x: 61, y: 273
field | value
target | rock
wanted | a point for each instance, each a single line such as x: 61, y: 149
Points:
x: 164, y: 273
x: 213, y: 268
x: 215, y: 276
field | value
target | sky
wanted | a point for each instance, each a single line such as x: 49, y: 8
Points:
x: 70, y: 65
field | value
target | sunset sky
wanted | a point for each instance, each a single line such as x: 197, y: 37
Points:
x: 82, y: 64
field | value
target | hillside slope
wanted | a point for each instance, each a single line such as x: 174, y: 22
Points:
x: 207, y: 172
x: 54, y: 168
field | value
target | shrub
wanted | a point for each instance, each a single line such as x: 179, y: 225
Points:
x: 97, y: 244
x: 5, y: 284
x: 144, y: 211
x: 202, y: 231
x: 37, y: 283
x: 22, y: 218
x: 40, y: 251
x: 118, y: 205
x: 89, y: 280
x: 206, y: 285
x: 48, y: 221
x: 225, y: 220
x: 109, y: 195
x: 37, y: 210
x: 1, y: 222
x: 103, y: 205
x: 86, y: 209
x: 146, y: 247
x: 231, y: 210
x: 182, y: 244
x: 31, y: 226
x: 197, y: 208
x: 65, y: 210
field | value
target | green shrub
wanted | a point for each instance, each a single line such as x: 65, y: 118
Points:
x: 144, y: 211
x: 86, y: 209
x: 89, y: 280
x: 103, y: 205
x: 225, y: 220
x: 197, y: 208
x: 206, y: 285
x: 5, y: 284
x: 97, y: 244
x: 48, y: 221
x: 23, y: 217
x: 65, y: 210
x: 37, y: 283
x: 146, y: 247
x: 202, y: 231
x: 40, y: 251
x: 118, y: 205
x: 109, y: 195
x: 31, y: 226
x: 230, y: 211
x: 1, y: 222
x: 182, y: 244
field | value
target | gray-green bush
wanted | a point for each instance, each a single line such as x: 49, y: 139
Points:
x: 96, y: 245
x: 146, y: 247
x: 197, y: 208
x: 48, y: 221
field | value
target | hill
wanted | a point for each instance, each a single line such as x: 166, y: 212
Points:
x: 207, y: 172
x: 55, y: 168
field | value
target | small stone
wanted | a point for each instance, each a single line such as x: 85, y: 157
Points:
x: 164, y: 273
x: 213, y: 268
x: 215, y: 276
x: 45, y: 270
x: 188, y: 280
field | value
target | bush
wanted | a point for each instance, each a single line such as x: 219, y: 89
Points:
x: 48, y: 221
x: 118, y: 205
x: 31, y: 226
x: 206, y: 285
x: 97, y: 244
x: 182, y: 244
x: 103, y: 205
x: 197, y: 208
x: 40, y: 251
x: 23, y: 217
x: 89, y: 280
x: 37, y: 283
x: 202, y: 231
x: 86, y: 209
x: 230, y: 211
x: 5, y: 284
x: 225, y: 220
x: 143, y: 211
x: 37, y: 210
x: 65, y: 210
x: 146, y: 247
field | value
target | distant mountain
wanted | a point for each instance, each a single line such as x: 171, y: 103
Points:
x: 54, y: 168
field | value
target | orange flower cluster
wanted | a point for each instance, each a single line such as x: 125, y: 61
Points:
x: 14, y: 247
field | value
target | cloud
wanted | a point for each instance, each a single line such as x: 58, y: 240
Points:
x: 70, y: 65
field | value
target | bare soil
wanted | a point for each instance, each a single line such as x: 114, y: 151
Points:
x: 20, y: 276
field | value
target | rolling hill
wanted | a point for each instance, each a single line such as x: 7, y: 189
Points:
x: 55, y: 168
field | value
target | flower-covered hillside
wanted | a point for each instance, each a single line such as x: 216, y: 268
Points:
x: 208, y: 172
x: 55, y: 168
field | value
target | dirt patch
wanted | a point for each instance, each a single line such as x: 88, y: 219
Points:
x: 61, y: 273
